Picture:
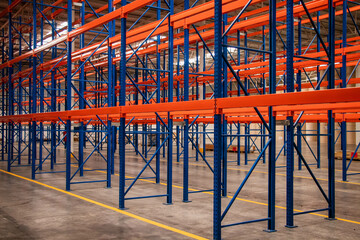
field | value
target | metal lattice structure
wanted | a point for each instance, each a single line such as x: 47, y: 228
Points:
x: 219, y: 73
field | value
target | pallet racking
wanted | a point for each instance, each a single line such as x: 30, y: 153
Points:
x: 118, y: 89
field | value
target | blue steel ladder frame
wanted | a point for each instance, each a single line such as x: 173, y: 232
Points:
x: 151, y: 72
x: 187, y: 84
x: 291, y: 145
x: 22, y: 93
x: 101, y: 127
x: 39, y: 91
x: 219, y: 163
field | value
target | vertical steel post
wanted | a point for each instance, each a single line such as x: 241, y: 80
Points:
x: 136, y: 99
x: 247, y: 125
x: 238, y: 93
x: 331, y: 123
x: 186, y: 160
x: 169, y: 161
x: 217, y: 118
x: 113, y: 99
x: 318, y: 80
x: 177, y: 143
x: 41, y: 90
x: 272, y: 118
x: 122, y: 99
x: 68, y: 97
x: 246, y: 145
x: 170, y: 99
x: 81, y: 100
x: 204, y: 97
x: 343, y: 85
x: 238, y: 144
x: 298, y: 82
x: 145, y: 127
x: 53, y: 101
x: 3, y: 113
x: 34, y: 95
x: 30, y: 98
x: 110, y: 100
x: 290, y: 119
x: 186, y: 120
x: 197, y: 98
x: 158, y: 98
x: 10, y: 135
x: 262, y: 127
x: 224, y: 123
x: 20, y: 97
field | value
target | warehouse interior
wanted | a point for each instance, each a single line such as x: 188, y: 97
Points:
x: 168, y: 119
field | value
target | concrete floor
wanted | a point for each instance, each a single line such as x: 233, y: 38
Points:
x: 32, y: 211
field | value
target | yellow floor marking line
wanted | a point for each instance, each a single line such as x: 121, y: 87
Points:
x: 241, y: 199
x: 190, y: 235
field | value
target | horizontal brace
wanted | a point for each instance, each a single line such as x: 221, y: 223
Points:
x: 158, y: 8
x: 246, y: 135
x: 50, y: 172
x: 149, y: 69
x: 202, y: 74
x: 309, y: 58
x: 308, y: 28
x: 245, y: 48
x: 98, y: 32
x: 95, y: 181
x: 250, y: 221
x: 253, y: 40
x: 142, y: 85
x: 311, y: 211
x: 199, y: 191
x: 353, y: 173
x: 153, y: 196
x: 140, y: 178
x: 143, y: 132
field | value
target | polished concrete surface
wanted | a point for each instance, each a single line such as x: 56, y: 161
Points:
x: 32, y: 211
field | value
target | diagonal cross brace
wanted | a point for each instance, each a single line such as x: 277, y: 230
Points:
x: 245, y: 92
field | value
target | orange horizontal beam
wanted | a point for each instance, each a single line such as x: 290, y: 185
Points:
x: 297, y: 98
x: 9, y: 8
x: 122, y: 11
x: 326, y: 97
x: 78, y: 52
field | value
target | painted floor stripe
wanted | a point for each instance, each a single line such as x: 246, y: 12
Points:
x: 240, y: 199
x: 190, y: 235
